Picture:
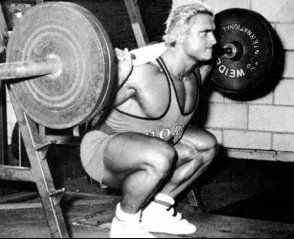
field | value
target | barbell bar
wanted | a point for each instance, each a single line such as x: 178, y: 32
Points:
x: 65, y: 61
x: 25, y: 69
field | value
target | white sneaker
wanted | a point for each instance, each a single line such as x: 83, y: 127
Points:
x: 159, y: 219
x: 133, y: 229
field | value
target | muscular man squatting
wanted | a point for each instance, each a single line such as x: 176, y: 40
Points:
x: 145, y: 147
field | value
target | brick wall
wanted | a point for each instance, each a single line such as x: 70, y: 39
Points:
x: 262, y: 128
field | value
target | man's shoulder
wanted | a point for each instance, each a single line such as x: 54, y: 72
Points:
x: 150, y: 69
x: 146, y: 75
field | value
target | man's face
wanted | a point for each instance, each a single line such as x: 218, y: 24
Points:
x: 199, y: 39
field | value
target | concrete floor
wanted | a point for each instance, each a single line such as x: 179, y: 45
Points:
x: 92, y: 221
x: 241, y: 199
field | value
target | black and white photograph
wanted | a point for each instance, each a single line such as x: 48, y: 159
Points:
x: 146, y: 119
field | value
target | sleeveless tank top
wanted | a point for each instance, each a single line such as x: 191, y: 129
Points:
x: 169, y: 127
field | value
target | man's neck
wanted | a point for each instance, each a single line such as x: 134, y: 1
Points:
x: 179, y: 65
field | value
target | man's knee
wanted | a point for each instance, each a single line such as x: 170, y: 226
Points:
x: 212, y: 142
x: 209, y: 141
x: 160, y: 158
x: 211, y: 148
x: 207, y: 147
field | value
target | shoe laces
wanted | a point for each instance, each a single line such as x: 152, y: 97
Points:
x: 172, y: 214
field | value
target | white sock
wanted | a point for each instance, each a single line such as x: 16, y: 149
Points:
x: 123, y: 216
x: 165, y: 198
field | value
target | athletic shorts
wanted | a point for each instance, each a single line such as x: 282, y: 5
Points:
x: 92, y: 150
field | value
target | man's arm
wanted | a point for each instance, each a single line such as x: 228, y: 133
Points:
x: 125, y: 65
x: 125, y: 69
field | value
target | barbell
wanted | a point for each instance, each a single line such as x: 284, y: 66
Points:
x: 60, y: 62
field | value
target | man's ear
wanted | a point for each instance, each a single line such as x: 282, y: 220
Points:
x: 180, y: 38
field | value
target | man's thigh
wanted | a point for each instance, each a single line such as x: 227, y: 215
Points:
x: 127, y: 152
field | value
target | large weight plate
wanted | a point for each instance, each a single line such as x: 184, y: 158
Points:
x: 79, y: 41
x: 248, y: 56
x: 108, y: 87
